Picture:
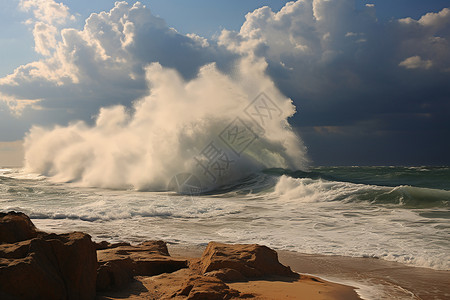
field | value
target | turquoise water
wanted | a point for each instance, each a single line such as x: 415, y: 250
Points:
x: 393, y: 213
x: 414, y: 187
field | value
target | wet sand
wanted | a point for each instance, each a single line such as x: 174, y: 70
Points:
x: 306, y: 287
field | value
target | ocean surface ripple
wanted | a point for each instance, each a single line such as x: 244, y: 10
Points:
x: 393, y: 213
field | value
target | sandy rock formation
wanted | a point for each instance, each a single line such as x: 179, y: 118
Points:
x: 37, y: 265
x: 220, y: 263
x: 119, y: 264
x: 241, y: 262
x: 187, y: 284
x: 44, y: 266
x: 205, y: 287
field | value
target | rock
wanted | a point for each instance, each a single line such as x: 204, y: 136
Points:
x: 49, y: 267
x: 102, y: 245
x: 186, y: 284
x: 251, y: 261
x: 159, y: 247
x: 227, y: 275
x: 114, y: 275
x: 118, y: 265
x: 16, y: 250
x: 77, y: 262
x: 197, y: 287
x: 37, y: 265
x: 16, y: 227
x: 106, y: 245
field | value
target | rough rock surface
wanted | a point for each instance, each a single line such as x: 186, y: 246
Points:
x: 106, y: 245
x: 187, y: 284
x: 48, y: 266
x: 205, y: 287
x: 227, y: 275
x: 37, y: 265
x: 16, y: 227
x: 240, y: 262
x: 220, y: 263
x: 118, y: 264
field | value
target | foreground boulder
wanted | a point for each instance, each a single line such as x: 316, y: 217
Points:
x: 187, y: 284
x: 37, y: 265
x: 16, y: 227
x: 241, y: 262
x: 48, y: 266
x: 205, y: 287
x: 119, y: 263
x: 206, y: 277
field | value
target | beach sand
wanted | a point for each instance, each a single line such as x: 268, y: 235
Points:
x: 308, y: 288
x: 269, y: 288
x: 373, y: 278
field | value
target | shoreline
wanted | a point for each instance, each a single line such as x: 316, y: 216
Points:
x: 372, y: 278
x: 268, y: 287
x: 39, y: 265
x: 160, y: 270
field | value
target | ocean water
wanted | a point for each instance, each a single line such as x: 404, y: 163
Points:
x: 393, y: 213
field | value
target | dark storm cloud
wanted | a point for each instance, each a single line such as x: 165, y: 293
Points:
x: 358, y: 84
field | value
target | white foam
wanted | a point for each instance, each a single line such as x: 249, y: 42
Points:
x: 167, y: 132
x: 281, y: 219
x: 312, y: 190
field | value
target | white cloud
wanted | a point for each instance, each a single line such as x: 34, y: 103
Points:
x: 47, y: 11
x: 439, y: 19
x: 322, y: 45
x: 332, y: 46
x: 102, y: 63
x: 201, y: 40
x: 44, y: 37
x: 427, y: 37
x: 416, y: 62
x: 309, y: 37
x: 16, y: 107
x: 48, y: 15
x: 436, y: 20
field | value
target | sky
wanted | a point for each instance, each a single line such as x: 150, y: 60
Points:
x: 369, y: 79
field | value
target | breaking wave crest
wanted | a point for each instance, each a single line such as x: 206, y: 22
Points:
x: 319, y: 190
x: 217, y: 127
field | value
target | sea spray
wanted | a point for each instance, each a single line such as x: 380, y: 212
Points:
x: 217, y: 127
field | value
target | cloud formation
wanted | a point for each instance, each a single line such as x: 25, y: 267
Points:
x: 344, y: 69
x: 47, y: 16
x: 47, y: 11
x: 330, y: 45
x: 415, y: 62
x: 102, y: 64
